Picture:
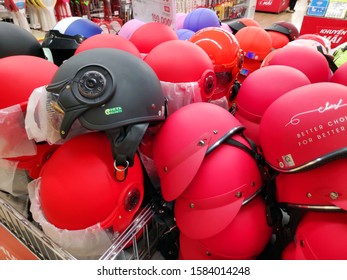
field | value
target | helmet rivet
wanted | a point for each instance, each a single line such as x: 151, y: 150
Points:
x: 215, y: 131
x: 68, y: 86
x: 238, y: 194
x: 334, y: 195
x: 62, y: 132
x: 253, y: 184
x: 165, y: 169
x: 302, y: 243
x: 201, y: 143
x: 191, y: 205
x: 208, y: 253
x: 281, y: 164
x: 309, y: 195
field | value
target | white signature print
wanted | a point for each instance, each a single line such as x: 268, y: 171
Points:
x: 328, y: 106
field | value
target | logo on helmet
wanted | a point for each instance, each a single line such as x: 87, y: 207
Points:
x: 114, y: 110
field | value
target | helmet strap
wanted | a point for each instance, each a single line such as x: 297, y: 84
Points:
x: 125, y: 141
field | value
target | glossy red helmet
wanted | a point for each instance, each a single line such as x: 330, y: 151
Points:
x: 79, y: 188
x: 244, y: 238
x: 260, y: 89
x: 286, y: 28
x: 150, y: 35
x: 20, y: 75
x: 305, y: 127
x: 185, y: 71
x: 224, y: 50
x: 108, y: 41
x: 309, y: 61
x: 184, y: 138
x: 321, y: 188
x: 215, y: 195
x: 319, y: 236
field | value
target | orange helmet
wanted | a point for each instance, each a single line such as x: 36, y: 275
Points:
x: 224, y: 50
x: 279, y: 40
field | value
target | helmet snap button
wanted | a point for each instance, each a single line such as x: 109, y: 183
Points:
x: 334, y: 195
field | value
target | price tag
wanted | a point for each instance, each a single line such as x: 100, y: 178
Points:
x: 162, y: 11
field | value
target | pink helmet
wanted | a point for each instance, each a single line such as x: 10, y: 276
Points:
x: 312, y: 63
x: 181, y: 144
x: 340, y: 75
x: 321, y: 188
x: 244, y: 238
x: 278, y: 39
x: 108, y: 41
x: 129, y: 28
x: 305, y: 127
x: 79, y: 187
x: 215, y: 195
x: 150, y: 35
x: 319, y: 236
x: 260, y: 89
x: 185, y: 71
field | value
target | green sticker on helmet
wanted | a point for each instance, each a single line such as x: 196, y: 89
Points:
x: 112, y: 111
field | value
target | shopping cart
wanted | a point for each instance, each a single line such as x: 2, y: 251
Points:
x: 137, y: 242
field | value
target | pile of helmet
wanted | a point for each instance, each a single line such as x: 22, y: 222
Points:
x: 223, y: 133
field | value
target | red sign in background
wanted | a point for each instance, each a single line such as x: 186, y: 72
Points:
x: 271, y: 6
x: 11, y: 248
x: 333, y: 29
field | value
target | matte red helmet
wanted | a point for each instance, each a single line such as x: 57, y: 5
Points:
x: 279, y: 40
x: 321, y: 188
x: 305, y: 127
x: 260, y: 89
x: 184, y: 138
x: 224, y: 50
x: 309, y: 61
x: 319, y: 236
x: 150, y: 35
x: 248, y: 66
x: 340, y: 75
x: 244, y: 238
x: 108, y: 41
x: 215, y: 195
x: 286, y: 28
x: 185, y: 71
x: 20, y: 75
x: 255, y: 42
x: 79, y: 188
x: 236, y: 24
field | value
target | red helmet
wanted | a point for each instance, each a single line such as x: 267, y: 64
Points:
x: 129, y: 27
x: 278, y: 39
x: 321, y: 188
x: 181, y: 144
x: 82, y: 170
x: 236, y: 24
x: 244, y: 238
x: 340, y: 75
x: 305, y: 127
x: 108, y: 41
x: 21, y: 74
x: 248, y: 67
x: 312, y: 63
x: 286, y: 28
x: 150, y: 35
x: 224, y: 50
x: 185, y: 71
x: 260, y: 89
x: 319, y: 236
x: 215, y: 195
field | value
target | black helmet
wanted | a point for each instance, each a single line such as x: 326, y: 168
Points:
x: 108, y: 90
x: 16, y: 40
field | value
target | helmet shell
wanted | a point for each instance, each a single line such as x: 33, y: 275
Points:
x: 224, y: 50
x: 286, y: 28
x: 278, y: 39
x: 129, y: 27
x: 260, y: 89
x: 319, y: 188
x: 201, y: 18
x: 305, y: 127
x: 180, y: 146
x: 340, y: 75
x: 79, y: 188
x: 108, y: 41
x: 244, y: 238
x: 236, y: 24
x: 130, y: 87
x: 184, y: 34
x: 321, y: 236
x: 309, y: 61
x: 18, y: 41
x: 150, y: 35
x: 215, y: 195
